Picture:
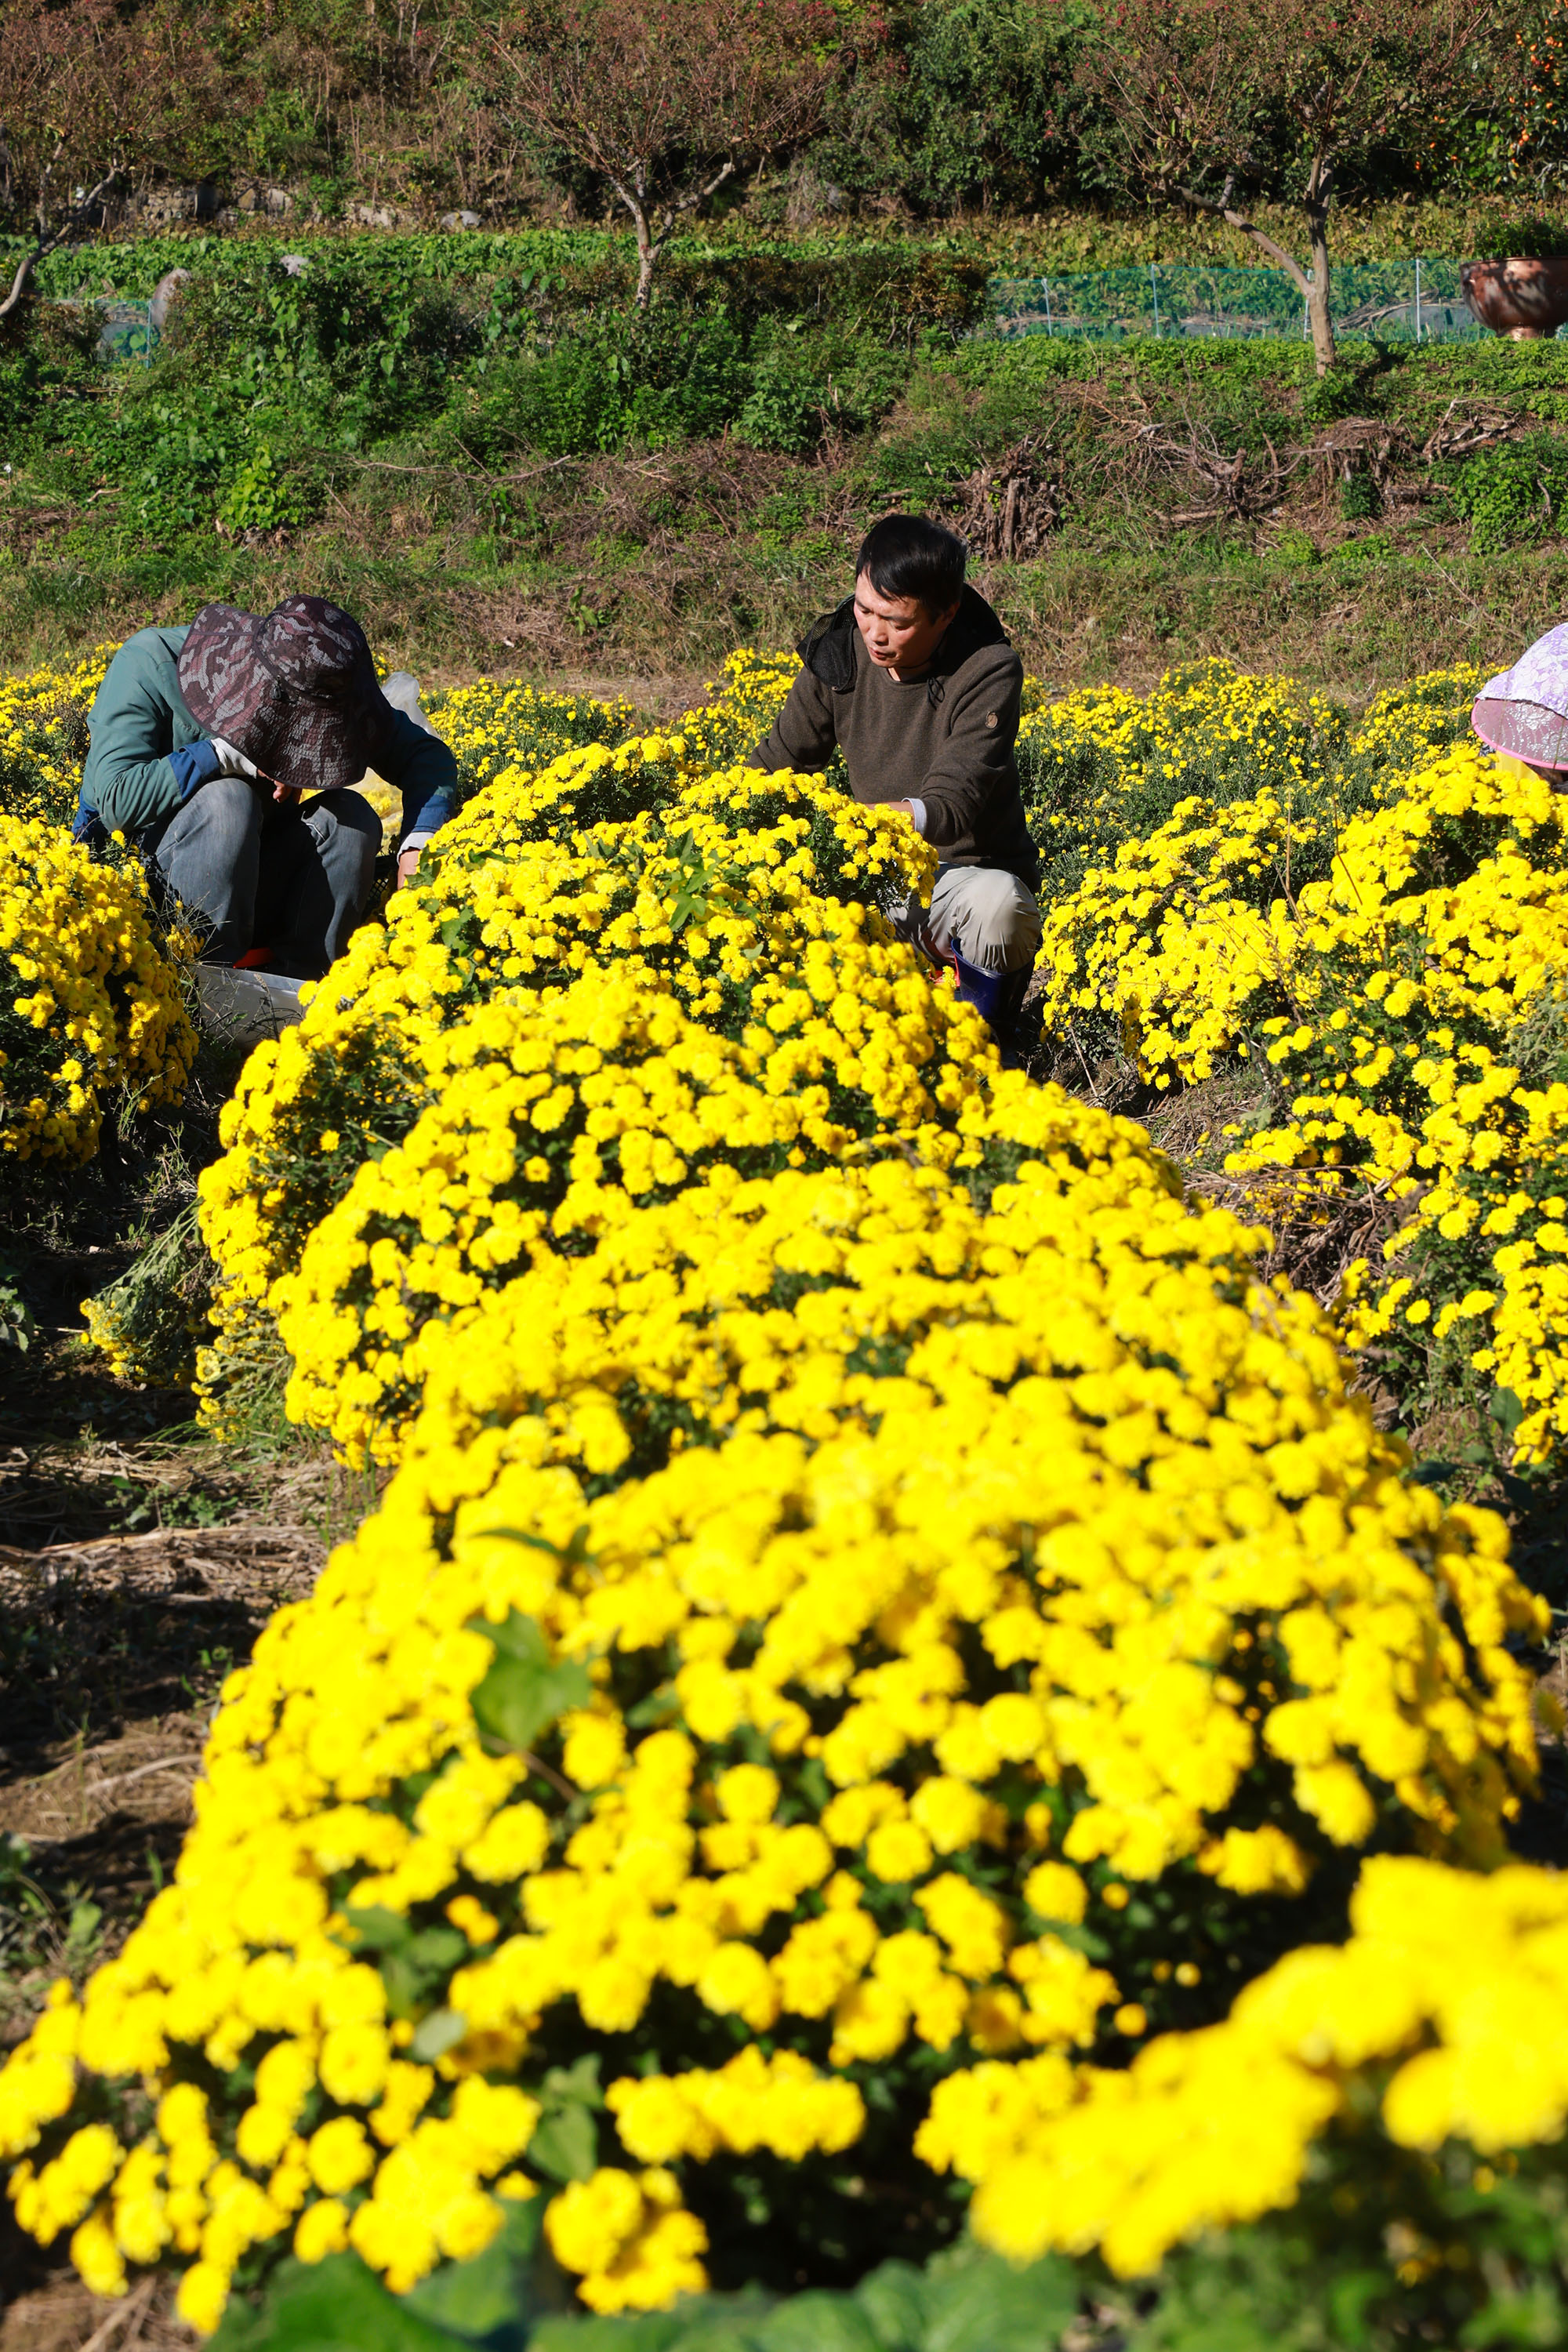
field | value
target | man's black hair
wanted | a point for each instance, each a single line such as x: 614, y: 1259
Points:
x: 910, y: 555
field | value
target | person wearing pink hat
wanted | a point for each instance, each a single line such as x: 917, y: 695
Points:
x: 1522, y: 713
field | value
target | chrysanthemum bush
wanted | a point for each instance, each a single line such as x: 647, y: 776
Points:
x: 544, y: 1120
x: 732, y: 994
x: 495, y: 724
x: 1018, y: 1669
x: 1216, y: 871
x: 1426, y: 1063
x: 1405, y: 1009
x: 1104, y: 771
x: 43, y: 737
x: 91, y: 995
x: 500, y: 730
x: 1405, y: 2091
x: 745, y: 702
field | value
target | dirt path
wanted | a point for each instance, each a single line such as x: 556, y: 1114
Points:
x: 138, y: 1562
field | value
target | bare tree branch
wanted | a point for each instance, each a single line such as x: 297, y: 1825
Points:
x: 1236, y: 218
x: 65, y: 226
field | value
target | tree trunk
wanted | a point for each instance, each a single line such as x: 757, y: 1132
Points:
x: 1313, y: 285
x: 632, y: 190
x: 1318, y: 189
x: 647, y: 244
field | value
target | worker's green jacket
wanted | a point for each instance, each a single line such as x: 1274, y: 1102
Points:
x: 143, y: 764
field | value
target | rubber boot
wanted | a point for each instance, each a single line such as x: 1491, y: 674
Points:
x: 998, y: 998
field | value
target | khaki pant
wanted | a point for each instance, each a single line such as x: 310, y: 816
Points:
x: 981, y: 913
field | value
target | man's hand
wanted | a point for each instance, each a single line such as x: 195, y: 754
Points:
x: 899, y: 808
x: 408, y: 864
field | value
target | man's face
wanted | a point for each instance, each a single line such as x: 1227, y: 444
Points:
x: 897, y: 630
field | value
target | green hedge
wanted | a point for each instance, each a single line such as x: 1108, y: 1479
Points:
x: 885, y: 288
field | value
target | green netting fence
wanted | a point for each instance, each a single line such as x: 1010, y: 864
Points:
x: 1395, y: 302
x: 1392, y: 301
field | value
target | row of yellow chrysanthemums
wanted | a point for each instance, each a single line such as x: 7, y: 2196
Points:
x: 755, y: 1009
x: 493, y: 725
x: 1408, y: 1013
x: 43, y: 737
x: 1201, y: 725
x: 91, y: 993
x: 857, y: 1528
x: 1103, y: 768
x: 738, y: 1520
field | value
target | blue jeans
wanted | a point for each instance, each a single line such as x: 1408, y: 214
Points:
x: 251, y: 873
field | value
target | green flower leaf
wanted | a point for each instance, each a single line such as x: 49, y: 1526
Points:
x: 525, y: 1689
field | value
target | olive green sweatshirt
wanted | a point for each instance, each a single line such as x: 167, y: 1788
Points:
x: 945, y: 740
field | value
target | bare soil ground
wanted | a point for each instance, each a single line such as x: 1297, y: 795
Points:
x: 138, y: 1561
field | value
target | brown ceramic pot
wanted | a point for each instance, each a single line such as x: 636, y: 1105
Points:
x: 1522, y: 299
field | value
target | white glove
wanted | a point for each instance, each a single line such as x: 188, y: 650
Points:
x: 231, y: 762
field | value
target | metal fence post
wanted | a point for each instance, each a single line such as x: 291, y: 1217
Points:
x: 1154, y: 284
x: 1418, y: 298
x: 1045, y: 290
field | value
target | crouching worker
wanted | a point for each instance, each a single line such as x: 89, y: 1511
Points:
x: 913, y: 678
x: 225, y: 751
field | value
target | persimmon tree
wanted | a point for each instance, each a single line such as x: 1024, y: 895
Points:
x: 1212, y: 103
x: 93, y: 101
x: 665, y: 100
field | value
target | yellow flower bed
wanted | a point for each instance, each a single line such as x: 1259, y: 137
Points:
x: 1412, y: 1074
x: 91, y: 1002
x: 746, y: 701
x: 1411, y: 1002
x: 1188, y: 935
x: 496, y: 724
x: 1103, y: 769
x: 43, y: 737
x: 795, y: 1297
x: 1063, y: 1568
x: 545, y: 1118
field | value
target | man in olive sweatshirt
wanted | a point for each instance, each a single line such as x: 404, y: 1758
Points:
x: 913, y: 679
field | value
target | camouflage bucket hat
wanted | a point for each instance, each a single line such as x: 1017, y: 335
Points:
x: 294, y: 689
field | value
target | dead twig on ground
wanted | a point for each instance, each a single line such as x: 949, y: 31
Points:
x: 1473, y: 431
x: 129, y: 2307
x: 122, y: 1779
x: 1008, y: 507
